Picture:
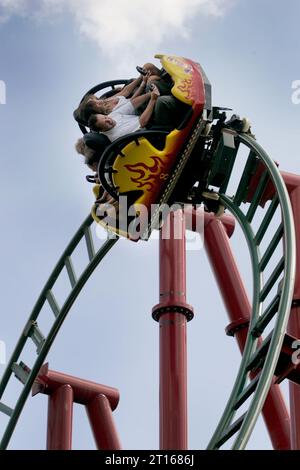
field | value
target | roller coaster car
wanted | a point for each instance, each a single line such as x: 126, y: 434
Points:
x: 145, y: 167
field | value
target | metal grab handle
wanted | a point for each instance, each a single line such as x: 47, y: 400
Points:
x: 91, y: 179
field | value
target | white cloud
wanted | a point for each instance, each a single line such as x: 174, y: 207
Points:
x: 122, y: 29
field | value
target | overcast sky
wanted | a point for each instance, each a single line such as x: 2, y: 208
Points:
x: 51, y: 53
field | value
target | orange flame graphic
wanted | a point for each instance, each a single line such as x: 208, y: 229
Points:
x: 186, y: 87
x: 148, y: 176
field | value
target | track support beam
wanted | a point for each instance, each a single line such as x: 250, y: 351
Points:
x: 239, y: 310
x: 172, y: 314
x: 63, y: 391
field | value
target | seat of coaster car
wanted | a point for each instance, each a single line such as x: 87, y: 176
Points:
x: 100, y: 143
x: 96, y: 141
x: 140, y: 165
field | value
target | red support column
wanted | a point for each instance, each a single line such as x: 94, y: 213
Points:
x: 293, y: 185
x: 84, y: 390
x: 65, y: 389
x: 102, y: 423
x: 239, y: 310
x: 60, y: 415
x: 172, y: 313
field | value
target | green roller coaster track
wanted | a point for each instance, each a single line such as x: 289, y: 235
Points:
x: 31, y: 330
x: 260, y: 319
x: 253, y: 392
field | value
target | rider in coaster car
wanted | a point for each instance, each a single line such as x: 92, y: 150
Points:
x: 91, y: 104
x: 169, y: 111
x: 159, y: 77
x: 122, y: 119
x: 92, y: 158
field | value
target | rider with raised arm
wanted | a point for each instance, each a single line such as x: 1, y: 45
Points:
x: 122, y: 119
x: 91, y: 104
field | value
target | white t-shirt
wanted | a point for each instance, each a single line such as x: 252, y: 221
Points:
x: 125, y: 124
x: 126, y: 120
x: 124, y: 106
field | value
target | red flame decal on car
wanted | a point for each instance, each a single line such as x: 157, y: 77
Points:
x: 148, y: 175
x: 186, y: 88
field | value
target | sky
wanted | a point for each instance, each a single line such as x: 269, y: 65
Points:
x: 51, y: 53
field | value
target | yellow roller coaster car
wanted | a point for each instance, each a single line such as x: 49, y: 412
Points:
x: 141, y: 170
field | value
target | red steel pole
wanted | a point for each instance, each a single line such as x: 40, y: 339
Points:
x: 293, y: 186
x: 172, y: 314
x: 239, y: 310
x: 60, y: 414
x: 102, y: 423
x: 63, y: 391
x: 84, y: 390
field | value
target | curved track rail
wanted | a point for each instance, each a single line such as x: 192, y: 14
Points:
x: 276, y: 292
x: 246, y: 392
x: 32, y: 332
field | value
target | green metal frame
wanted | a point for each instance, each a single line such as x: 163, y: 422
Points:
x: 260, y: 385
x: 31, y: 330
